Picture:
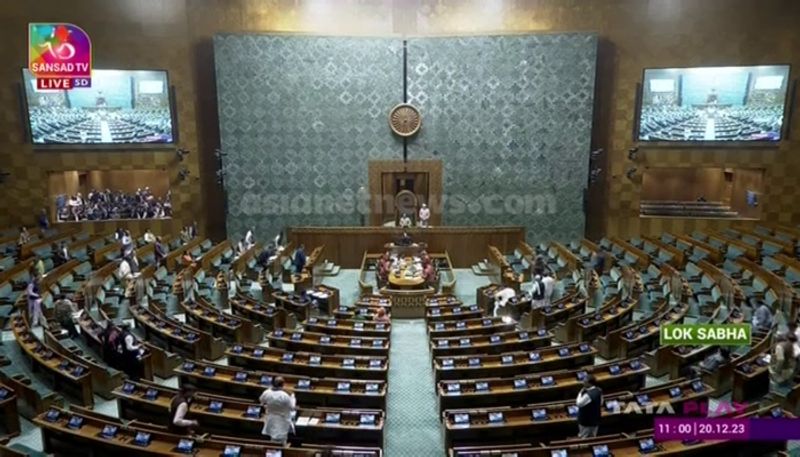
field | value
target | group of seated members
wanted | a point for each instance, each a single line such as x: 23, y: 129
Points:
x: 421, y: 266
x: 100, y: 205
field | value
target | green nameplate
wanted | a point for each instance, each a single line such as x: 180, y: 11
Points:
x: 705, y: 334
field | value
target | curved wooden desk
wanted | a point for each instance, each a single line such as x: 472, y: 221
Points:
x: 399, y: 280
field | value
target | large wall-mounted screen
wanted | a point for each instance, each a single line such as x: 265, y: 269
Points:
x: 122, y: 107
x: 714, y: 104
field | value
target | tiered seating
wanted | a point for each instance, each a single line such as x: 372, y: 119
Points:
x: 71, y: 433
x: 548, y: 421
x: 667, y: 208
x: 225, y: 415
x: 62, y: 373
x: 309, y: 390
x: 633, y: 443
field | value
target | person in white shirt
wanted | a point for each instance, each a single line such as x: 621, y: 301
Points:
x: 405, y: 221
x: 179, y: 408
x: 149, y: 237
x: 542, y: 286
x: 501, y: 298
x: 424, y: 215
x: 279, y: 405
x: 249, y: 238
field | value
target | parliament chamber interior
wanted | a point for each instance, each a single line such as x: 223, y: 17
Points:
x: 400, y: 228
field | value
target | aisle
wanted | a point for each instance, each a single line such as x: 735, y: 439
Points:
x: 412, y: 424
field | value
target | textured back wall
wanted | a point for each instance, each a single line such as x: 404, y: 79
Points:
x: 511, y: 119
x: 509, y: 116
x: 299, y: 119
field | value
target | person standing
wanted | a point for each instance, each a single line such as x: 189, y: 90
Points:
x: 44, y: 222
x: 160, y: 252
x: 405, y: 221
x: 542, y: 287
x: 64, y: 308
x: 279, y: 404
x: 381, y: 317
x: 24, y: 236
x: 179, y: 409
x: 250, y: 238
x: 63, y: 253
x: 762, y: 317
x: 129, y: 352
x: 299, y: 259
x: 599, y: 262
x: 424, y: 215
x: 589, y: 402
x: 35, y: 313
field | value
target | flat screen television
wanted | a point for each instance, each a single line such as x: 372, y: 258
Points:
x: 713, y: 104
x: 126, y: 108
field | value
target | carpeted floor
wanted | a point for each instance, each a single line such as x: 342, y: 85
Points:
x: 412, y: 423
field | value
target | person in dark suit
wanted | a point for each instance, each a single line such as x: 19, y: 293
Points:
x: 589, y: 402
x: 599, y: 262
x: 160, y: 252
x: 299, y: 259
x: 405, y: 239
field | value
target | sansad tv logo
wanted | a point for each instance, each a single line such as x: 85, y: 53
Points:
x: 59, y: 55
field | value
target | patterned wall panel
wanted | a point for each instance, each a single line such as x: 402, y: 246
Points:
x: 511, y: 118
x: 299, y: 118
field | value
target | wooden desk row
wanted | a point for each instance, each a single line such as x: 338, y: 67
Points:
x: 622, y: 412
x: 434, y: 314
x: 324, y: 343
x: 630, y: 445
x: 362, y: 313
x: 232, y: 416
x: 229, y: 327
x: 578, y: 325
x: 469, y: 327
x: 510, y: 364
x: 29, y: 249
x: 555, y: 385
x: 490, y: 344
x: 348, y: 327
x: 212, y: 258
x: 62, y: 373
x: 9, y: 413
x: 91, y: 332
x: 104, y: 379
x: 722, y: 240
x: 309, y: 390
x: 309, y: 364
x: 714, y: 255
x: 560, y: 311
x: 374, y: 301
x: 746, y: 375
x: 176, y: 337
x: 641, y: 336
x: 269, y: 316
x: 442, y: 300
x: 777, y: 244
x: 100, y: 436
